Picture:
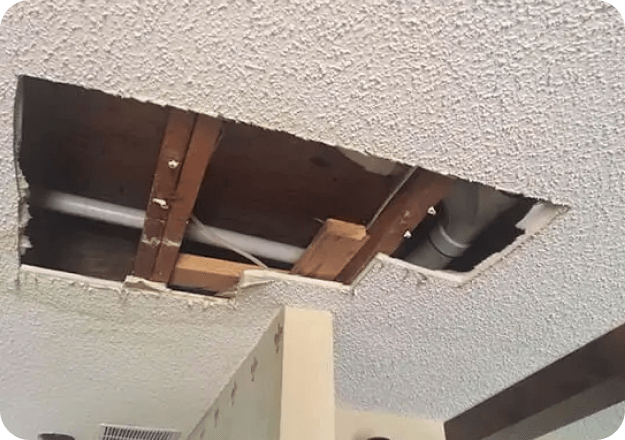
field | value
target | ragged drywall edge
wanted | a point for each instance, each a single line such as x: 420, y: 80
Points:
x: 98, y: 296
x: 454, y: 278
x: 132, y: 282
x: 26, y: 269
x: 539, y: 219
x: 145, y: 288
x: 256, y: 277
x: 540, y: 216
x: 23, y: 241
x: 370, y: 163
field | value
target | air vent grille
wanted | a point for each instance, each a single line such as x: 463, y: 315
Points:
x: 112, y: 432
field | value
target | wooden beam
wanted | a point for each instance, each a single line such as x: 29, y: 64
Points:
x: 404, y: 212
x: 205, y: 273
x: 284, y: 389
x: 586, y: 381
x: 202, y: 146
x: 331, y: 249
x: 172, y: 153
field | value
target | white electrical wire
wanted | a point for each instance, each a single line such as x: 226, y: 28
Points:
x: 391, y: 195
x: 212, y: 236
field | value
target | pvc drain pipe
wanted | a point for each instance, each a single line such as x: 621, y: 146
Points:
x: 133, y: 218
x: 467, y: 210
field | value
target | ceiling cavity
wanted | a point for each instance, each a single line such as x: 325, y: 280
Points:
x: 266, y: 199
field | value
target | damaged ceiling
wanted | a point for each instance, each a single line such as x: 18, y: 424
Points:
x: 102, y: 201
x: 527, y: 98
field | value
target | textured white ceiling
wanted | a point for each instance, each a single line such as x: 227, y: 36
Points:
x: 525, y: 96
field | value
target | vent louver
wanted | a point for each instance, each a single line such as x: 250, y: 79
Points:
x: 114, y: 432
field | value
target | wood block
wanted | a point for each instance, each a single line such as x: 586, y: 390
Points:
x: 206, y: 273
x: 331, y: 249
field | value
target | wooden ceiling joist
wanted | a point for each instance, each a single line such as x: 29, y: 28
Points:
x: 172, y: 154
x: 402, y: 214
x: 331, y: 249
x: 180, y: 207
x: 187, y: 146
x: 586, y: 381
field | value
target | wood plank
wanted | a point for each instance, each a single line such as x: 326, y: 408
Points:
x: 409, y: 206
x: 586, y: 381
x: 284, y: 389
x: 173, y: 151
x: 202, y: 146
x: 212, y: 274
x: 331, y: 249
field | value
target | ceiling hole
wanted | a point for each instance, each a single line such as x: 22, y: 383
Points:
x: 89, y: 148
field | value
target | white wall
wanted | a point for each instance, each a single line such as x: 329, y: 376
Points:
x: 525, y: 96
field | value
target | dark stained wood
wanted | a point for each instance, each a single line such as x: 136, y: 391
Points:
x: 279, y: 187
x: 409, y: 206
x: 331, y: 249
x: 171, y: 158
x: 202, y: 146
x: 76, y: 245
x: 586, y: 381
x: 88, y: 143
x: 264, y: 183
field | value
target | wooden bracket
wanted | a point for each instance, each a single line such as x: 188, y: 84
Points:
x: 404, y: 212
x: 331, y: 249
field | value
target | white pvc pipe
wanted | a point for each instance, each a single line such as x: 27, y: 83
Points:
x: 134, y: 218
x: 88, y: 208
